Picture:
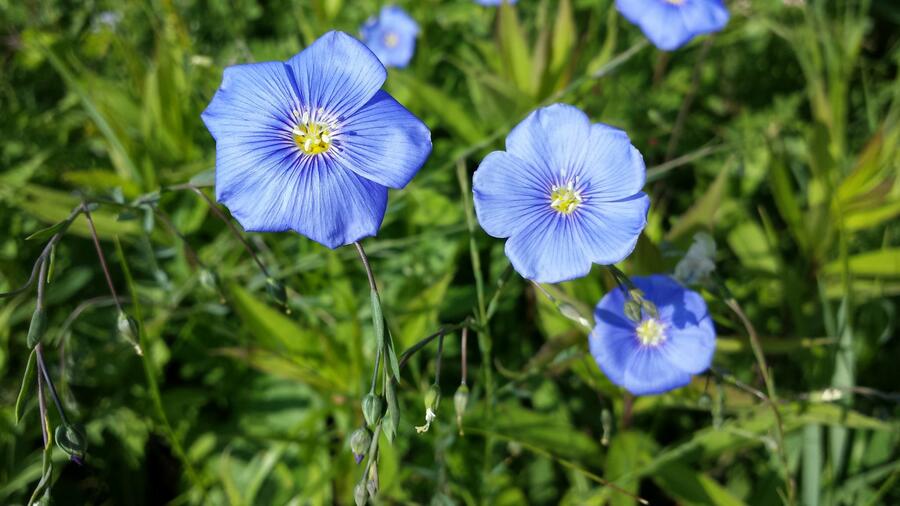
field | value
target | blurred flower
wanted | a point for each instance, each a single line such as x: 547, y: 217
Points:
x: 656, y: 354
x: 565, y: 192
x: 391, y: 36
x: 494, y: 3
x: 669, y: 24
x: 699, y: 262
x: 107, y: 19
x: 312, y: 144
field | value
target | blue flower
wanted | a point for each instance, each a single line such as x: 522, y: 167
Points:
x: 391, y: 36
x: 565, y: 192
x: 657, y: 354
x: 669, y: 24
x: 312, y: 144
x: 494, y: 3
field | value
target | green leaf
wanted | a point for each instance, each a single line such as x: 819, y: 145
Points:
x: 27, y: 380
x: 691, y: 487
x: 812, y: 464
x: 514, y: 48
x: 447, y: 109
x: 628, y: 451
x: 46, y: 233
x: 750, y: 244
x: 563, y: 42
x: 377, y: 318
x: 702, y: 213
x: 880, y: 263
x: 868, y: 218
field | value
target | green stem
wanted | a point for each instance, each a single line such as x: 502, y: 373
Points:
x: 150, y: 374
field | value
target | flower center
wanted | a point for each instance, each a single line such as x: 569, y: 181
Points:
x: 312, y: 138
x: 565, y: 198
x: 651, y: 332
x: 391, y: 39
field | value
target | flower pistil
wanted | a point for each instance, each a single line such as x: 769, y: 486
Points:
x: 565, y: 198
x: 651, y: 332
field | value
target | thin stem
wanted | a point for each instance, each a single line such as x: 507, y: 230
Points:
x: 438, y: 359
x: 42, y: 370
x: 464, y: 347
x: 367, y: 266
x: 42, y: 257
x: 103, y: 266
x: 771, y: 398
x: 219, y: 214
x: 495, y: 299
x: 42, y: 407
x: 424, y: 342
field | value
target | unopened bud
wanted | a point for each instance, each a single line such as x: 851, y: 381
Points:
x: 360, y: 494
x: 570, y: 312
x: 37, y: 328
x: 460, y: 399
x: 649, y: 308
x: 72, y: 440
x: 128, y: 329
x: 372, y: 483
x: 372, y: 407
x: 359, y: 443
x: 633, y: 310
x: 276, y: 291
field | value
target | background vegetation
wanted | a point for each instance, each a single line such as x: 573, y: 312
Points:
x: 778, y: 136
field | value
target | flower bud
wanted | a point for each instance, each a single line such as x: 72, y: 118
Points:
x: 360, y: 494
x: 372, y: 407
x: 571, y: 312
x: 37, y: 328
x: 72, y: 440
x: 649, y: 308
x: 633, y: 310
x: 372, y: 483
x: 208, y: 279
x: 128, y: 329
x: 460, y: 399
x: 359, y: 443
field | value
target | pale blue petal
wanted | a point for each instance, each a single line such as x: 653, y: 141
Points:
x: 384, y: 142
x: 613, y: 340
x: 509, y: 194
x: 650, y: 372
x: 549, y: 249
x: 614, y: 169
x: 670, y: 26
x: 555, y: 137
x: 253, y: 103
x: 272, y: 189
x: 337, y: 74
x: 704, y: 16
x: 610, y: 230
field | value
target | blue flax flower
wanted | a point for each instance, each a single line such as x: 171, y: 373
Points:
x: 659, y: 353
x: 565, y: 192
x: 312, y: 144
x: 669, y: 24
x: 391, y: 36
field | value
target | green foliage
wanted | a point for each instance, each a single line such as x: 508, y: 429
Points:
x: 238, y: 379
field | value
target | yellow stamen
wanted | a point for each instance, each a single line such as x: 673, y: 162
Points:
x: 565, y: 199
x: 651, y: 332
x: 391, y: 39
x: 312, y: 138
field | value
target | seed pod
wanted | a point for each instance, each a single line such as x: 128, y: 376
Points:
x: 72, y: 440
x: 360, y: 494
x: 37, y: 329
x: 433, y: 397
x: 460, y: 399
x: 373, y: 408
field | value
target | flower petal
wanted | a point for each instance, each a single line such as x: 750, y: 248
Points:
x: 649, y: 372
x: 549, y: 249
x: 613, y: 340
x: 384, y: 142
x: 704, y: 16
x: 254, y: 102
x: 270, y: 188
x: 614, y: 168
x: 609, y: 230
x: 337, y: 73
x: 660, y: 21
x: 509, y: 193
x: 554, y: 137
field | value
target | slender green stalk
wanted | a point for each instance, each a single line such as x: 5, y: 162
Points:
x: 771, y: 399
x: 150, y: 375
